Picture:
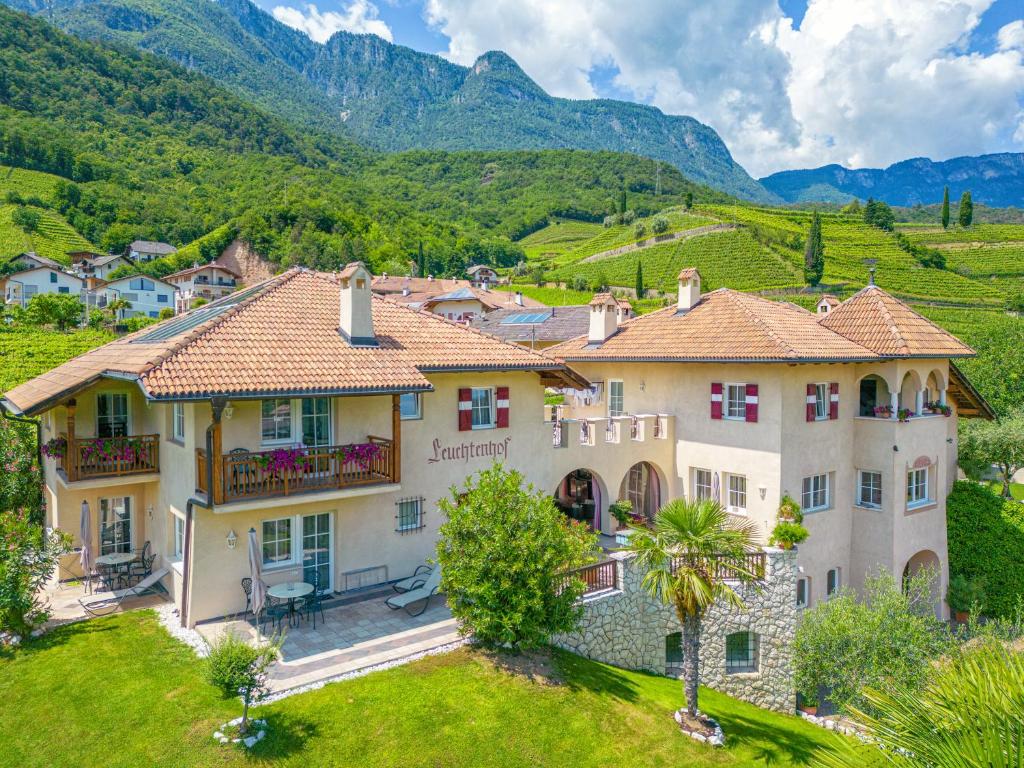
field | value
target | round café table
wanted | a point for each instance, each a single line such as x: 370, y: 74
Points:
x: 115, y: 561
x: 290, y: 591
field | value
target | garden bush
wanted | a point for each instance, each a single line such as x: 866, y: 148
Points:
x: 240, y: 669
x: 28, y: 557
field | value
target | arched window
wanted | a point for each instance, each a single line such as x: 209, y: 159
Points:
x: 640, y: 486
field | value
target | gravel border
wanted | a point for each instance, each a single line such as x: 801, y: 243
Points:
x: 169, y: 618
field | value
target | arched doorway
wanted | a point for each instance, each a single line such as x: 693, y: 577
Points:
x: 642, y: 488
x: 579, y: 496
x: 926, y: 561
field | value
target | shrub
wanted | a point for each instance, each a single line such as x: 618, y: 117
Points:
x: 659, y: 225
x: 59, y: 309
x: 503, y: 550
x: 578, y: 283
x: 628, y: 217
x: 787, y: 533
x: 240, y: 669
x: 20, y: 480
x: 966, y: 594
x: 166, y: 313
x: 538, y: 276
x: 622, y: 511
x: 844, y: 644
x: 26, y: 218
x: 640, y: 230
x: 28, y: 557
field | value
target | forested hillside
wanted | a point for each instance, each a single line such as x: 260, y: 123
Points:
x: 391, y: 97
x: 144, y: 148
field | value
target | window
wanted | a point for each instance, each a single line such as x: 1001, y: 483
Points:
x: 153, y: 313
x: 178, y: 421
x: 741, y: 652
x: 736, y: 401
x: 832, y: 582
x: 869, y: 489
x: 815, y: 495
x: 482, y: 408
x: 53, y: 277
x: 410, y: 515
x: 410, y: 405
x: 615, y: 399
x: 277, y: 541
x: 737, y: 493
x: 63, y: 289
x: 276, y: 420
x: 141, y: 284
x: 702, y: 484
x: 316, y: 422
x: 161, y: 298
x: 803, y: 588
x: 115, y: 525
x: 917, y: 487
x: 179, y: 536
x: 821, y: 402
x: 674, y: 654
x: 111, y: 414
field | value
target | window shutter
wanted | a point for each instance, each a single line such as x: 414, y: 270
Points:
x: 751, y: 402
x: 716, y: 400
x: 833, y: 400
x: 502, y: 397
x: 812, y: 397
x: 465, y: 409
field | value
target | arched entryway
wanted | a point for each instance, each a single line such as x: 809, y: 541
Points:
x: 926, y: 561
x: 579, y: 496
x: 642, y: 487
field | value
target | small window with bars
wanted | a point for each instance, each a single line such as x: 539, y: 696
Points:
x: 409, y: 515
x: 741, y: 652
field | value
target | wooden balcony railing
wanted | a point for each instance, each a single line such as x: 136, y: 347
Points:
x: 745, y: 567
x: 88, y: 458
x: 596, y: 577
x: 247, y: 475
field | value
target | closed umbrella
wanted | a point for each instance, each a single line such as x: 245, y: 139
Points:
x: 85, y: 534
x: 716, y: 488
x: 259, y: 589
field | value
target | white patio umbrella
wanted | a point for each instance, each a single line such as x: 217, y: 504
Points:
x: 716, y: 488
x: 85, y: 534
x: 259, y: 589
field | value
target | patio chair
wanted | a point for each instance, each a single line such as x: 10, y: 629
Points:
x: 273, y: 611
x: 422, y: 593
x: 107, y: 602
x: 139, y: 570
x: 419, y: 576
x: 313, y: 602
x: 247, y: 589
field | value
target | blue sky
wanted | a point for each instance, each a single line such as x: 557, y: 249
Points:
x: 787, y: 83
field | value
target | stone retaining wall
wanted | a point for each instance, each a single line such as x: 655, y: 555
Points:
x: 626, y: 627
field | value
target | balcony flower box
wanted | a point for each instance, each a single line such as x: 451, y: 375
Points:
x: 103, y: 450
x: 936, y: 407
x: 903, y: 414
x: 883, y: 411
x: 56, y: 448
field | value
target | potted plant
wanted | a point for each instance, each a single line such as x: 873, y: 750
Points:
x: 903, y: 414
x: 808, y: 704
x: 965, y: 595
x: 883, y: 411
x: 789, y: 510
x: 55, y: 448
x: 787, y: 533
x: 622, y: 511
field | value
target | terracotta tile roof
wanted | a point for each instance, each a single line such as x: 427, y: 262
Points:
x: 603, y: 299
x: 726, y: 325
x: 281, y: 337
x: 884, y: 324
x: 829, y: 299
x: 687, y: 273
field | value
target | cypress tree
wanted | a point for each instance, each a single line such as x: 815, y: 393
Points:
x: 421, y: 262
x: 814, y: 253
x: 622, y: 206
x: 688, y: 200
x: 966, y: 209
x: 945, y: 208
x: 639, y: 279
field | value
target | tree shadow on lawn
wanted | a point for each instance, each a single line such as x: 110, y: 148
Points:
x: 56, y: 636
x: 580, y: 673
x: 286, y: 735
x: 780, y: 747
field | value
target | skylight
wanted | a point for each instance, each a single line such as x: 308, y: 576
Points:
x: 526, y: 318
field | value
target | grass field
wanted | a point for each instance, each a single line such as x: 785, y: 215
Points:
x: 53, y: 239
x: 27, y: 183
x: 120, y: 692
x: 27, y: 351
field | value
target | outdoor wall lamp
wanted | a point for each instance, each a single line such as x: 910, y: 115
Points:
x: 896, y: 448
x: 643, y: 386
x: 763, y: 490
x: 232, y: 539
x: 229, y: 411
x: 149, y: 511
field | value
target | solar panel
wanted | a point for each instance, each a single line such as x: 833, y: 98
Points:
x: 175, y: 327
x: 526, y: 318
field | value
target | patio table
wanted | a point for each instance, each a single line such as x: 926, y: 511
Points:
x: 290, y: 591
x: 115, y: 560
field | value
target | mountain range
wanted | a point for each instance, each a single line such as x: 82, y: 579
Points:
x: 390, y: 97
x: 996, y: 180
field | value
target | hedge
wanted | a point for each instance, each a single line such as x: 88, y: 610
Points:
x: 986, y: 539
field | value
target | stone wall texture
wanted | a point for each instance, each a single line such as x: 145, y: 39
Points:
x: 626, y: 627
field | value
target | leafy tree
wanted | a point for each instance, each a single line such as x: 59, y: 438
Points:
x: 887, y: 638
x: 659, y: 225
x: 117, y: 237
x: 814, y: 253
x: 240, y: 669
x: 879, y: 214
x: 421, y: 261
x: 688, y: 200
x: 538, y: 276
x: 999, y: 443
x: 26, y: 218
x: 59, y: 309
x: 853, y: 207
x: 578, y: 283
x: 622, y: 206
x: 599, y: 282
x: 504, y: 550
x: 945, y: 207
x: 640, y: 292
x: 20, y: 479
x: 682, y: 553
x: 640, y: 230
x: 966, y: 214
x: 28, y: 558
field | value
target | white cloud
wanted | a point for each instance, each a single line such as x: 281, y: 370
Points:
x: 358, y: 16
x: 866, y: 83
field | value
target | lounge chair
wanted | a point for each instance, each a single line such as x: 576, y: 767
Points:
x: 422, y: 593
x: 107, y: 602
x: 419, y: 576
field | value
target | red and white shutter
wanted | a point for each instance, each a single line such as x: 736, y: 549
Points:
x: 502, y: 398
x: 751, y: 402
x: 465, y: 409
x: 833, y: 400
x: 716, y: 400
x: 812, y: 398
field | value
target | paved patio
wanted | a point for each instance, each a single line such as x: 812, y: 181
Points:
x: 355, y: 635
x: 63, y: 599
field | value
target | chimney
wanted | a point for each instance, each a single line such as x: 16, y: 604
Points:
x: 604, y: 318
x: 485, y: 284
x: 689, y: 289
x: 405, y: 290
x: 430, y: 278
x: 519, y: 298
x: 355, y: 315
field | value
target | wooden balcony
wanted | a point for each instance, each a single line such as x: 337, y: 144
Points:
x: 90, y: 458
x: 250, y: 475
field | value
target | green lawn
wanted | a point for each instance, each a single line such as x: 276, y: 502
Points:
x: 1016, y: 489
x: 121, y: 692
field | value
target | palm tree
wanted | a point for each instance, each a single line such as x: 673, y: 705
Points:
x: 115, y: 306
x: 686, y: 551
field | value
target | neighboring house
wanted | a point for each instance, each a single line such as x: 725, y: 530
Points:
x: 147, y: 295
x: 482, y: 276
x: 147, y: 250
x: 31, y: 259
x: 98, y: 266
x: 19, y: 287
x: 826, y: 304
x: 535, y: 328
x: 373, y: 411
x: 203, y: 281
x: 456, y: 300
